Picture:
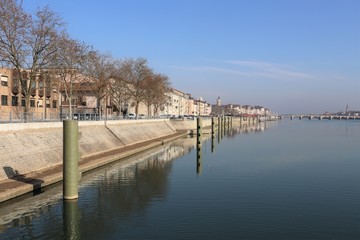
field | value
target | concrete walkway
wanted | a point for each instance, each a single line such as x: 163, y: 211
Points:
x: 32, y: 182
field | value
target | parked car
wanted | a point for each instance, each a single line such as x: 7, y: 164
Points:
x: 131, y: 116
x: 141, y: 116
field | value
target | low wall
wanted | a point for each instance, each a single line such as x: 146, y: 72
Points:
x: 188, y: 124
x: 30, y: 147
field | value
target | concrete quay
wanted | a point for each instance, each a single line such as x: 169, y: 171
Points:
x: 31, y: 154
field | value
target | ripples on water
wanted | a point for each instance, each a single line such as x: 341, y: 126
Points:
x: 286, y: 180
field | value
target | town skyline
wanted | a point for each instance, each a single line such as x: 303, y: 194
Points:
x: 292, y: 57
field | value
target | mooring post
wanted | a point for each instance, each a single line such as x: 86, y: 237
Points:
x: 212, y: 126
x: 70, y: 159
x: 199, y: 131
x: 198, y: 144
x: 212, y: 134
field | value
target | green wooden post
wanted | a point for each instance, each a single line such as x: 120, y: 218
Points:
x: 212, y: 126
x: 212, y: 134
x: 198, y: 145
x: 199, y: 131
x: 70, y: 159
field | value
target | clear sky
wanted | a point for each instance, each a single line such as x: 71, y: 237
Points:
x: 292, y: 56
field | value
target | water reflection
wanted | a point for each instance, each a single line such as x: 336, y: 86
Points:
x: 71, y: 219
x: 113, y: 191
x: 228, y: 130
x: 116, y: 195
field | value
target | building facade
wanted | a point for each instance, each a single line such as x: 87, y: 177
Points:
x: 44, y: 98
x: 49, y: 101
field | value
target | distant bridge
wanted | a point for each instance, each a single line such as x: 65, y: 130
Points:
x: 320, y: 117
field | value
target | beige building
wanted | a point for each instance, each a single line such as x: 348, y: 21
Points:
x: 48, y: 101
x: 44, y: 102
x: 180, y: 104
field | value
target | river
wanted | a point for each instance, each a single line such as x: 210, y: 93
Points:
x: 288, y: 179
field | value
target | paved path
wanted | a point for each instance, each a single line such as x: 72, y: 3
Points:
x: 21, y: 184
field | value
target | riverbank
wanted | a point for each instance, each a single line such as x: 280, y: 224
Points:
x: 31, y: 154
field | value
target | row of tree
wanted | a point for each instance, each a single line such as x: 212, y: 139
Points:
x: 39, y: 44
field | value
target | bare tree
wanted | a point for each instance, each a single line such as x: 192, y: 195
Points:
x: 119, y: 89
x: 69, y: 68
x: 27, y: 44
x: 100, y: 68
x: 135, y: 72
x: 156, y: 87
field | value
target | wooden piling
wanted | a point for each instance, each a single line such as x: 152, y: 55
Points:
x: 70, y: 159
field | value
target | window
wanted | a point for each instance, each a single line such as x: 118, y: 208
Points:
x: 54, y: 103
x: 4, y: 100
x: 4, y: 80
x: 32, y: 102
x: 23, y: 102
x: 74, y: 102
x: 14, y: 101
x: 33, y: 89
x: 82, y: 100
x: 47, y: 103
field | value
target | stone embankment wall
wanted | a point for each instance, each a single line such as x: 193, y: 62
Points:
x: 187, y: 124
x: 30, y: 147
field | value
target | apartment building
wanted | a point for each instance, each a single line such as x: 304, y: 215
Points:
x: 48, y: 100
x: 44, y: 99
x: 180, y: 104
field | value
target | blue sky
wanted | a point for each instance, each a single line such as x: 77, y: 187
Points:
x: 292, y: 56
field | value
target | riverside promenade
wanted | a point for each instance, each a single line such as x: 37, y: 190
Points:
x: 31, y: 154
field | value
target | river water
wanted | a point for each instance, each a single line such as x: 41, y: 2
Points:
x: 290, y: 179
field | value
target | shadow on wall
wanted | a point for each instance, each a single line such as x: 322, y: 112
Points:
x: 15, y: 175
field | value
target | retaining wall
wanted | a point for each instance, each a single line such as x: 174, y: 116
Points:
x: 29, y: 147
x: 187, y: 124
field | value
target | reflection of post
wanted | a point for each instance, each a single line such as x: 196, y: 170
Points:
x: 224, y: 124
x: 198, y: 161
x: 70, y: 159
x: 198, y: 144
x: 219, y: 129
x: 212, y: 134
x: 212, y: 143
x: 71, y: 219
